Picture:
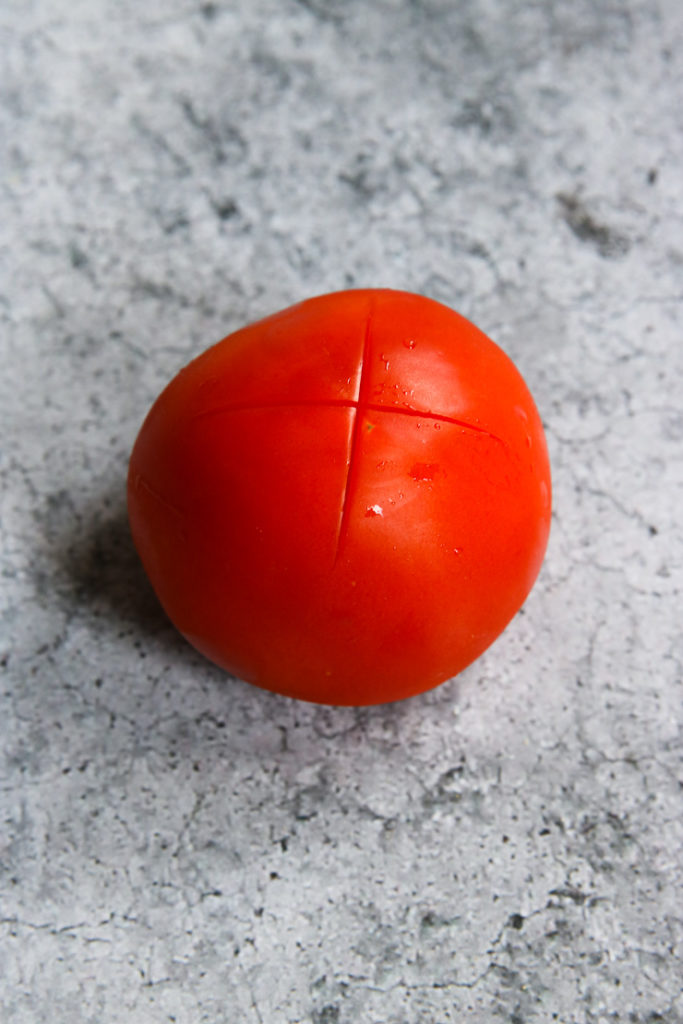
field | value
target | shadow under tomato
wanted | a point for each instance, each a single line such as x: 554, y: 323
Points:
x: 101, y: 574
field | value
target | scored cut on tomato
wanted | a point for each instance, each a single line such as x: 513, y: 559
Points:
x: 346, y: 502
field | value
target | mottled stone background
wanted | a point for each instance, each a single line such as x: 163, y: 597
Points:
x: 178, y: 846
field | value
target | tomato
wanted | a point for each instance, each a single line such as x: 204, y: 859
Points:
x: 346, y: 502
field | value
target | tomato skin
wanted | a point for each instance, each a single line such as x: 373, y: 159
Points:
x: 346, y: 502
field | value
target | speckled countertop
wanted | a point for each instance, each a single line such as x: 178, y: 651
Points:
x: 176, y: 845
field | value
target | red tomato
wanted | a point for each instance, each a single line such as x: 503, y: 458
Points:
x: 346, y: 502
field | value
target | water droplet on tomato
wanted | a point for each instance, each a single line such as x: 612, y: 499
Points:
x: 410, y: 343
x: 424, y: 470
x: 374, y: 510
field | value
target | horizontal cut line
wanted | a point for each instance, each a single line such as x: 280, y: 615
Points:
x: 345, y: 403
x: 442, y: 418
x: 139, y: 483
x: 311, y: 403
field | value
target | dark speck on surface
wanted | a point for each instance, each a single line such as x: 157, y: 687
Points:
x: 587, y: 228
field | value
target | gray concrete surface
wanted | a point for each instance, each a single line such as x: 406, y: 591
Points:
x: 178, y: 846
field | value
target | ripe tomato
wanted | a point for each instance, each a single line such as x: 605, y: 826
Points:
x: 346, y: 502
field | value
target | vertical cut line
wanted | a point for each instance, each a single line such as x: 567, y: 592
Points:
x: 354, y: 447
